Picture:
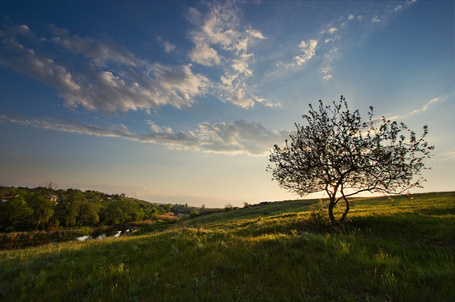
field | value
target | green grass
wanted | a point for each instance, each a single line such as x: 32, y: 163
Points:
x: 389, y: 250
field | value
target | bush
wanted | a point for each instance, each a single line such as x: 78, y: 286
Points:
x: 228, y: 207
x: 194, y: 214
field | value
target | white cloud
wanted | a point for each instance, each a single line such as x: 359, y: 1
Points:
x: 194, y: 16
x: 205, y: 55
x: 309, y: 50
x: 104, y: 84
x: 327, y: 77
x: 158, y: 86
x: 268, y: 103
x: 235, y: 92
x: 375, y: 19
x: 255, y: 33
x: 219, y: 28
x: 101, y: 75
x: 100, y: 52
x: 221, y: 41
x: 333, y: 29
x: 240, y: 66
x: 240, y: 137
x: 43, y: 69
x: 326, y: 72
x: 159, y: 129
x: 167, y: 46
x: 351, y: 17
x: 67, y: 125
x: 397, y: 8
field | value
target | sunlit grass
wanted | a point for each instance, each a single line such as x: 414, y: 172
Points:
x: 389, y: 250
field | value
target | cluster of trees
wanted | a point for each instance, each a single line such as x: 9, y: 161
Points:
x: 40, y: 208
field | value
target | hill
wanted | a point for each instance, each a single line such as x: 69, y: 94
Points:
x: 389, y: 250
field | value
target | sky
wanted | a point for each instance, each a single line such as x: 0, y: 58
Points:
x: 182, y: 101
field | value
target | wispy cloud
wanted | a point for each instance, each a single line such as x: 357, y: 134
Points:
x: 327, y: 45
x: 167, y: 46
x: 447, y: 156
x: 376, y: 19
x: 333, y: 29
x: 220, y: 40
x: 421, y: 109
x: 309, y: 50
x: 100, y: 52
x: 205, y: 55
x: 113, y: 80
x: 240, y: 137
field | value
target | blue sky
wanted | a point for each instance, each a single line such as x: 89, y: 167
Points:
x: 181, y: 101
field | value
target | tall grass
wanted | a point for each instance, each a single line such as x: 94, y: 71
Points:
x: 389, y: 250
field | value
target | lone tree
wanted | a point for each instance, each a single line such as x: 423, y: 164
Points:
x: 341, y: 155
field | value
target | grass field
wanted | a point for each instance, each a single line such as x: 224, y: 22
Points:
x: 388, y: 250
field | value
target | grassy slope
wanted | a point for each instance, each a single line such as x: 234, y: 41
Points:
x: 390, y: 250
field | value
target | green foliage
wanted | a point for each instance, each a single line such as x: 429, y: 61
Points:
x: 194, y: 214
x: 43, y: 208
x: 121, y: 211
x: 15, y: 213
x: 228, y: 207
x: 73, y: 208
x: 292, y: 254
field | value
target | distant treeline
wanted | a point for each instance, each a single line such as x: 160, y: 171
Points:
x: 43, y: 208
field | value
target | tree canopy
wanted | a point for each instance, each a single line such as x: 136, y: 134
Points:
x: 341, y: 155
x: 24, y: 209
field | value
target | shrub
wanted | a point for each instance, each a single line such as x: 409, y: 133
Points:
x: 194, y: 214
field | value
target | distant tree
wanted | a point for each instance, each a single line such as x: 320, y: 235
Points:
x: 73, y: 208
x: 43, y: 209
x: 166, y: 208
x: 49, y: 186
x: 340, y: 155
x: 146, y: 209
x: 15, y: 213
x: 194, y: 214
x: 228, y: 207
x: 67, y: 208
x: 121, y: 211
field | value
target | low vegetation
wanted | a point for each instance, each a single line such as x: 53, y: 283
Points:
x: 400, y: 249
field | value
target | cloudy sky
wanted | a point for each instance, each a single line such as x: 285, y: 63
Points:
x: 181, y: 101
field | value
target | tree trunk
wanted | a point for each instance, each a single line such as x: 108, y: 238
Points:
x: 332, y: 204
x: 346, y: 210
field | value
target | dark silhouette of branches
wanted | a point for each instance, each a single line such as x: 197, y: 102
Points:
x: 338, y: 153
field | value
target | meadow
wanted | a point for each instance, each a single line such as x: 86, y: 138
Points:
x: 400, y: 249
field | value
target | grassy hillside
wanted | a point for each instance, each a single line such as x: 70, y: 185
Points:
x: 389, y: 250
